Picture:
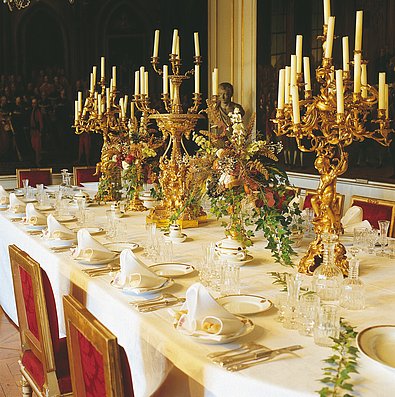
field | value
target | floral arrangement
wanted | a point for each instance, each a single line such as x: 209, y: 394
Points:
x: 136, y: 168
x: 248, y: 185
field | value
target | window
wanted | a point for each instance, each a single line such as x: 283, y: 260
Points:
x: 278, y: 32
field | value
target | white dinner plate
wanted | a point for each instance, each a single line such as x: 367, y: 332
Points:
x: 120, y: 246
x: 29, y: 200
x: 97, y: 262
x: 141, y: 291
x: 378, y: 343
x: 172, y: 269
x: 3, y: 207
x: 13, y: 215
x: 65, y: 218
x: 211, y: 339
x: 28, y: 226
x: 245, y: 304
x: 57, y: 242
x: 44, y: 207
x: 241, y: 262
x: 91, y: 229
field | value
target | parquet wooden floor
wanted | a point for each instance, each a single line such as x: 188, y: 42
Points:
x: 9, y: 354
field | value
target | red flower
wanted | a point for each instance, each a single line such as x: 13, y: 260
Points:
x: 130, y: 158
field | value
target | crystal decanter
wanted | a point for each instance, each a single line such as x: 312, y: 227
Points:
x: 328, y: 278
x: 352, y: 295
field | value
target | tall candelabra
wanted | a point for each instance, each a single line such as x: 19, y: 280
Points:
x: 328, y: 122
x: 175, y: 124
x: 101, y: 114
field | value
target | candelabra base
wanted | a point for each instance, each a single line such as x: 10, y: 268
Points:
x: 136, y: 205
x: 313, y: 257
x: 161, y: 216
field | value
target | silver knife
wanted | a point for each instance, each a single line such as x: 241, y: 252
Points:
x: 258, y: 355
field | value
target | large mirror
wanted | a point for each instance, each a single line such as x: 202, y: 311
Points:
x: 279, y: 21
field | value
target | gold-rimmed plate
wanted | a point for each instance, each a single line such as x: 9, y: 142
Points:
x: 172, y: 269
x: 245, y: 304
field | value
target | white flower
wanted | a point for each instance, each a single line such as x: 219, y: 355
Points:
x: 125, y: 165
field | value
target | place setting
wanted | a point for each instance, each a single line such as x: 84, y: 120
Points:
x: 58, y: 236
x: 34, y: 220
x: 16, y: 209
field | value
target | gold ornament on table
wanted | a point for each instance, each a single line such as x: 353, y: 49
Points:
x: 101, y: 114
x: 330, y: 121
x: 175, y: 124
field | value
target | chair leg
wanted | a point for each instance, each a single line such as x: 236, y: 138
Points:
x: 26, y: 389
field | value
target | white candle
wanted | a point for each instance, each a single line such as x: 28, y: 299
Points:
x: 171, y: 89
x: 382, y: 90
x: 293, y: 70
x: 299, y: 52
x: 358, y: 31
x: 132, y: 110
x: 346, y: 54
x: 165, y: 88
x: 215, y: 81
x: 99, y: 108
x: 327, y: 11
x: 357, y: 73
x: 76, y: 113
x: 142, y: 70
x: 197, y: 46
x: 108, y: 99
x: 125, y: 104
x: 306, y: 72
x: 178, y: 47
x: 281, y: 89
x: 111, y: 85
x: 339, y: 92
x: 329, y: 37
x: 80, y: 101
x: 197, y: 79
x: 102, y: 67
x: 91, y: 85
x: 174, y: 42
x: 94, y: 71
x: 386, y: 102
x: 136, y: 83
x: 287, y: 83
x: 295, y: 105
x: 156, y: 44
x: 114, y: 76
x: 364, y: 80
x: 121, y: 107
x: 146, y: 83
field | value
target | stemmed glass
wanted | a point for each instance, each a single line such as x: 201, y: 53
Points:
x: 383, y: 240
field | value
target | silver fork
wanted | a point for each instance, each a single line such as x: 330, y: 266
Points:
x: 160, y: 305
x: 249, y: 346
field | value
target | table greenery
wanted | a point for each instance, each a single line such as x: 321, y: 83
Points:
x: 340, y: 364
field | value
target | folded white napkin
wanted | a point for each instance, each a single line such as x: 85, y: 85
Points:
x: 4, y: 196
x: 16, y: 206
x: 90, y: 249
x: 204, y: 316
x: 57, y: 230
x: 352, y: 219
x: 136, y: 274
x: 33, y: 217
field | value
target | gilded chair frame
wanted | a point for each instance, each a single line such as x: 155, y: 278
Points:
x: 77, y: 317
x: 42, y: 346
x: 339, y: 198
x: 19, y: 170
x: 387, y: 203
x: 75, y: 169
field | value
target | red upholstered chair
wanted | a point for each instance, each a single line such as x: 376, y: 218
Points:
x: 375, y: 210
x: 35, y: 176
x: 310, y: 193
x: 84, y: 174
x: 99, y: 367
x: 44, y: 361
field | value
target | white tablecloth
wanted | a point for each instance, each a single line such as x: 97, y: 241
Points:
x: 153, y: 345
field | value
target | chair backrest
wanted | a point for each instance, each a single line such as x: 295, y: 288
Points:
x: 35, y: 176
x: 310, y: 193
x: 85, y: 174
x: 95, y: 367
x: 37, y: 317
x: 375, y: 210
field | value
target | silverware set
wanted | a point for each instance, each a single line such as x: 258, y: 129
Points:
x: 162, y: 301
x: 248, y: 355
x: 100, y: 271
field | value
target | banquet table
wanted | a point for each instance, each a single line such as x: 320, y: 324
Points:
x: 152, y: 344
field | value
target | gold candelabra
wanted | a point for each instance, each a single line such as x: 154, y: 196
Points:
x: 101, y: 114
x: 175, y: 124
x: 326, y: 124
